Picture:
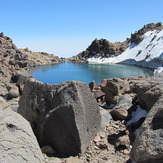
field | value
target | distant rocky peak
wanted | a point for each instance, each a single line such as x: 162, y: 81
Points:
x: 137, y: 37
x: 102, y: 48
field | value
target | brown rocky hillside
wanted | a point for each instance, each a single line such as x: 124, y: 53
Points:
x: 13, y: 59
x: 40, y: 58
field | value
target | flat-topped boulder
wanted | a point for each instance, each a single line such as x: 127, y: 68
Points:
x: 65, y: 116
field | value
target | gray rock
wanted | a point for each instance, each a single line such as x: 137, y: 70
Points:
x: 119, y: 112
x: 13, y: 91
x: 125, y: 102
x: 17, y: 141
x: 114, y: 89
x: 148, y: 93
x: 22, y: 63
x: 64, y: 116
x: 19, y: 78
x: 148, y: 145
x: 11, y: 51
x: 105, y: 117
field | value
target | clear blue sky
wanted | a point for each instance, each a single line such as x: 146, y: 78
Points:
x: 67, y: 27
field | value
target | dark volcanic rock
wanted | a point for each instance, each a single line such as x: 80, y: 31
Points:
x: 115, y: 88
x: 64, y: 116
x: 100, y: 48
x: 137, y: 36
x: 148, y: 92
x: 150, y: 139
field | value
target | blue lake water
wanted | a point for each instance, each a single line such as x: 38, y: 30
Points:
x: 85, y: 72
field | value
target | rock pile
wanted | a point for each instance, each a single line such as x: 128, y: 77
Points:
x: 145, y: 137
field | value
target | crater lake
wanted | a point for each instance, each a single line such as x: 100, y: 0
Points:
x: 57, y: 73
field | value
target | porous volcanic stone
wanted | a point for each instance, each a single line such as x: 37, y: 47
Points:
x: 64, y: 116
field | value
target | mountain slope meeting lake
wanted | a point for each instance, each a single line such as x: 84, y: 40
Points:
x: 57, y: 73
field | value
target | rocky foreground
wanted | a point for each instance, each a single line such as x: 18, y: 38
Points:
x: 119, y: 120
x: 70, y: 126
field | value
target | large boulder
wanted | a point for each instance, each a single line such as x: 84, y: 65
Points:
x: 148, y: 92
x: 64, y: 116
x: 115, y: 88
x: 17, y: 141
x: 148, y: 145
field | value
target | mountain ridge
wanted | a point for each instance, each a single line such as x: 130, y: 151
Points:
x: 103, y: 49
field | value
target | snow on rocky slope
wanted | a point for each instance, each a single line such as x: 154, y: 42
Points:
x: 148, y: 53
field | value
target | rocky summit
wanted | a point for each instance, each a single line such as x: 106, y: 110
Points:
x: 100, y: 48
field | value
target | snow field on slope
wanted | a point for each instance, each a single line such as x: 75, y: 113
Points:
x: 150, y: 48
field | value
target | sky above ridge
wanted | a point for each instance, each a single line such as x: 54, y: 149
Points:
x: 67, y: 27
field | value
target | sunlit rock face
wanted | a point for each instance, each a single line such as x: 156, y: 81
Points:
x: 64, y: 116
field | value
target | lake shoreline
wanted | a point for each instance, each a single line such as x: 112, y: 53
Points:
x: 87, y: 72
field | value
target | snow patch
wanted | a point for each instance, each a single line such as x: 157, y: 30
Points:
x: 158, y: 70
x: 98, y: 60
x: 136, y: 115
